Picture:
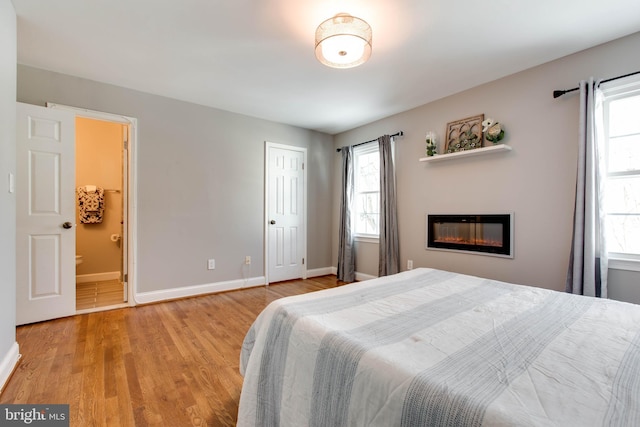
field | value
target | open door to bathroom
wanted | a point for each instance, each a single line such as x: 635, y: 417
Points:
x: 41, y: 281
x: 101, y: 183
x: 45, y: 236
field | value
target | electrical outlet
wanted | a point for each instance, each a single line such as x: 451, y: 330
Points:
x: 211, y: 264
x: 247, y: 260
x: 409, y: 264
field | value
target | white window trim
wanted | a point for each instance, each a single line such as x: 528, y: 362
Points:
x: 623, y: 264
x: 366, y: 238
x: 365, y: 149
x: 613, y: 90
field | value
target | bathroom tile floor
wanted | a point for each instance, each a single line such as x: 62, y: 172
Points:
x: 98, y: 294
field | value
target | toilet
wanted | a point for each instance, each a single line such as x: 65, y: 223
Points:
x: 78, y: 259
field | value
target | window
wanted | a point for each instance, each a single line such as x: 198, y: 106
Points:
x: 367, y: 191
x: 621, y: 110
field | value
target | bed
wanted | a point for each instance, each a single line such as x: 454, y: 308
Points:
x: 431, y: 347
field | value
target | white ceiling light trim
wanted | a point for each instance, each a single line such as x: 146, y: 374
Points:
x: 343, y: 41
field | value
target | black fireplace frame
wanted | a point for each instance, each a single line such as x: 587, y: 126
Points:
x: 507, y: 221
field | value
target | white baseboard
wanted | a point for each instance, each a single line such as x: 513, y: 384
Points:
x: 320, y: 272
x: 192, y: 291
x: 8, y: 364
x: 97, y: 277
x: 210, y: 288
x: 359, y: 276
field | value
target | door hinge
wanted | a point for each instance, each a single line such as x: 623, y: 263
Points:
x: 126, y: 277
x: 303, y: 166
x: 302, y: 261
x: 126, y: 144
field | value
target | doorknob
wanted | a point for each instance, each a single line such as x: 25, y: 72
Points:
x: 273, y: 221
x: 67, y: 225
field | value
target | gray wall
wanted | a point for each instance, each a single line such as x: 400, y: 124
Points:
x: 536, y: 180
x: 200, y: 178
x: 7, y: 165
x: 200, y: 175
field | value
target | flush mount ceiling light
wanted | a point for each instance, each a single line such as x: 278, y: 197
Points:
x: 343, y: 41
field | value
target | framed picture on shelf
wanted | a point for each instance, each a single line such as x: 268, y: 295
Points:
x: 463, y: 135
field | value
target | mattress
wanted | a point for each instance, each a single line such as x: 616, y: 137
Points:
x: 431, y: 347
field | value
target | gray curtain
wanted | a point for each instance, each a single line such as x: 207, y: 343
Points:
x: 588, y: 262
x: 389, y: 256
x: 346, y: 255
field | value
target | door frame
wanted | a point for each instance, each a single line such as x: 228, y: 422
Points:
x: 267, y: 147
x: 131, y: 188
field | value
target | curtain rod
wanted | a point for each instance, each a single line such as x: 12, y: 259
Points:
x: 559, y: 93
x: 373, y: 140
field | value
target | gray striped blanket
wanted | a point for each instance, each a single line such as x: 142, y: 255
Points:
x: 433, y: 348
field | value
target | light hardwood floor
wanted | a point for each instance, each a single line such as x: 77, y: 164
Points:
x: 167, y: 364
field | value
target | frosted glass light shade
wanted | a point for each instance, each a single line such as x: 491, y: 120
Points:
x: 343, y: 41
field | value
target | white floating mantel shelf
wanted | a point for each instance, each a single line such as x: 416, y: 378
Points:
x: 468, y: 153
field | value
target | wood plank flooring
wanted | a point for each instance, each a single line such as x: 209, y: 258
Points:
x: 168, y: 364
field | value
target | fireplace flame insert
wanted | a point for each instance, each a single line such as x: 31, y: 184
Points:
x: 489, y: 234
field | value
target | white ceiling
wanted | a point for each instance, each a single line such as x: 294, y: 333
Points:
x: 257, y: 57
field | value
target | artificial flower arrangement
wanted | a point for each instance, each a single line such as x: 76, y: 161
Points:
x: 432, y: 148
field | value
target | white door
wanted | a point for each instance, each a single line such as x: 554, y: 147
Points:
x: 45, y: 214
x: 286, y: 219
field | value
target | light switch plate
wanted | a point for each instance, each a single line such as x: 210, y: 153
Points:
x: 12, y: 183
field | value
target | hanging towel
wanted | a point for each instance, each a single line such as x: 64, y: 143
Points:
x: 90, y: 204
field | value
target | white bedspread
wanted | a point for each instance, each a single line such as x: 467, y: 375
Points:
x: 429, y: 347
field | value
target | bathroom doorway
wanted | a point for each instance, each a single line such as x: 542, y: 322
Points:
x: 101, y: 213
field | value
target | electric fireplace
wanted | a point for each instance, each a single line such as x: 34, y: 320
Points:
x: 488, y: 234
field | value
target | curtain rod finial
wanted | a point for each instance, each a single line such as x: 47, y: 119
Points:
x: 558, y: 93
